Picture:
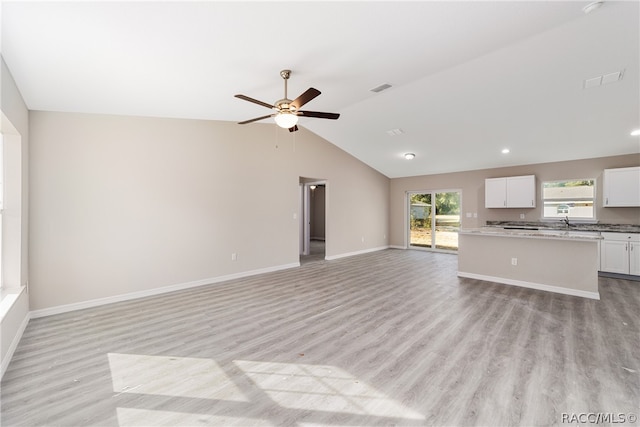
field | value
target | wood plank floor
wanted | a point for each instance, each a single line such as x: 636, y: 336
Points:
x: 387, y: 338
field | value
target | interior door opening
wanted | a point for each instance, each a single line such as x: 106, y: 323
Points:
x: 313, y: 220
x: 434, y: 220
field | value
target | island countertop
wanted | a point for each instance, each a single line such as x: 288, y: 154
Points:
x: 559, y: 225
x: 535, y: 234
x: 562, y: 261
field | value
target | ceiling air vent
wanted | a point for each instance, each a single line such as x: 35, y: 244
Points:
x: 395, y: 132
x: 603, y: 80
x: 380, y: 88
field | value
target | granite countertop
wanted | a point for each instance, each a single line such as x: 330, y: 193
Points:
x: 558, y: 234
x: 558, y: 225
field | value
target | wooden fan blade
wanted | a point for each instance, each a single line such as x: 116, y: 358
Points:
x: 256, y: 119
x: 307, y: 96
x: 319, y: 115
x: 255, y: 101
x: 294, y: 128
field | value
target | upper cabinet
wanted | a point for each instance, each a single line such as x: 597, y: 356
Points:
x: 510, y: 192
x: 621, y: 187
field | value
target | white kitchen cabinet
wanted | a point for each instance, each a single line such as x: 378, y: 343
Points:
x: 621, y: 187
x: 510, y: 192
x: 495, y: 193
x: 620, y: 253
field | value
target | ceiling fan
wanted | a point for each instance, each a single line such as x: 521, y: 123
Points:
x: 287, y: 111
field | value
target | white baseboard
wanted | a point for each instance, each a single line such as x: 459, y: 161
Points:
x: 348, y: 254
x: 531, y: 285
x: 14, y: 344
x: 397, y: 247
x: 157, y: 291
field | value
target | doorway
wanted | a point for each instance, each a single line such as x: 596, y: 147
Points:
x: 313, y: 220
x: 434, y: 220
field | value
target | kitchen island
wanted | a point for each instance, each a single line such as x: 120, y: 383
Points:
x: 559, y: 261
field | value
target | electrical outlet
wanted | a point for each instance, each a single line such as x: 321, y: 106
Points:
x: 521, y: 216
x: 234, y: 256
x: 514, y: 261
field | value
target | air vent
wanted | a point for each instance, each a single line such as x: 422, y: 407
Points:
x: 603, y: 80
x: 394, y: 132
x: 380, y: 88
x: 611, y: 77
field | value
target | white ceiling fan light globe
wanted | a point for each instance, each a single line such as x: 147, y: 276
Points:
x: 286, y: 120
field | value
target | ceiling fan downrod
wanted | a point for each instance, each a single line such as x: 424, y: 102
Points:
x: 285, y: 74
x: 284, y: 105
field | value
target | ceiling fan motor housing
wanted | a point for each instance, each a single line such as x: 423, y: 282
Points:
x: 285, y: 105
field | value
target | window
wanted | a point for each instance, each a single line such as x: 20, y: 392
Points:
x: 571, y: 198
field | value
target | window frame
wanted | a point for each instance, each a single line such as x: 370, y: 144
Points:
x: 583, y: 219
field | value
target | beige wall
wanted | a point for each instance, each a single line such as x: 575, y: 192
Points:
x: 471, y: 184
x: 127, y: 204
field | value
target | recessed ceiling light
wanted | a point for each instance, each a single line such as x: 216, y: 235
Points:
x: 505, y: 151
x: 409, y: 156
x: 635, y: 132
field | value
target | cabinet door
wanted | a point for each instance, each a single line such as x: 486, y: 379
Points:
x: 614, y: 256
x: 634, y: 258
x: 495, y: 193
x: 521, y: 191
x: 621, y: 187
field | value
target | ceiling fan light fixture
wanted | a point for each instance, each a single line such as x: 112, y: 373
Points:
x: 286, y: 120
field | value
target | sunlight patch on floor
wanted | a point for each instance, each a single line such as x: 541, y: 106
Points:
x: 322, y: 388
x: 171, y: 376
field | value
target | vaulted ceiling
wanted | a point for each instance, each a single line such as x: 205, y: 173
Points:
x: 468, y: 79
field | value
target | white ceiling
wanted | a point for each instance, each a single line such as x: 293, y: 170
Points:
x: 469, y: 78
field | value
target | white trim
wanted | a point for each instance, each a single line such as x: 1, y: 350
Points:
x: 348, y: 254
x: 7, y: 298
x: 156, y: 291
x: 531, y: 285
x: 14, y: 344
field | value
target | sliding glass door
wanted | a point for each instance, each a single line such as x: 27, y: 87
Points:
x: 434, y: 220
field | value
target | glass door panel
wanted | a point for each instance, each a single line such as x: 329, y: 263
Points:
x: 434, y: 220
x: 420, y: 220
x: 447, y: 220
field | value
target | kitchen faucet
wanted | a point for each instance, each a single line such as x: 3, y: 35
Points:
x: 566, y: 221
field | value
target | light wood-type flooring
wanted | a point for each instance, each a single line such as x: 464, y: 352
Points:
x: 387, y: 338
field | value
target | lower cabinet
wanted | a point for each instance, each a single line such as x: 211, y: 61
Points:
x: 620, y: 253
